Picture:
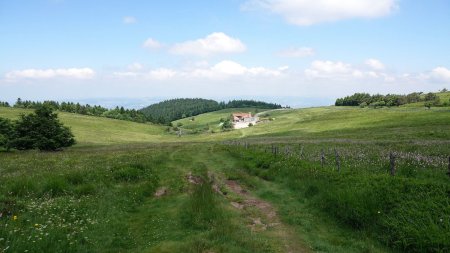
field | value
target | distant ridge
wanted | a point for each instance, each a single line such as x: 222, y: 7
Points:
x: 173, y: 109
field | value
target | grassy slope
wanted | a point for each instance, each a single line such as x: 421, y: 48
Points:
x: 290, y: 124
x: 338, y: 122
x: 89, y: 130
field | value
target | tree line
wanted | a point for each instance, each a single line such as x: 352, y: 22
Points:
x: 378, y: 100
x: 39, y: 130
x: 174, y: 109
x: 96, y: 110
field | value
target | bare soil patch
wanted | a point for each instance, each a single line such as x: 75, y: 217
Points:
x: 263, y: 217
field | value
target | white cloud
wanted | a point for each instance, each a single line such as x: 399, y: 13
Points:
x: 375, y: 64
x: 220, y: 71
x: 135, y: 66
x: 126, y: 74
x: 309, y: 12
x: 214, y: 43
x: 162, y: 74
x: 328, y: 69
x: 129, y: 20
x: 152, y: 44
x: 344, y: 71
x: 77, y: 73
x: 299, y: 52
x: 441, y: 73
x: 226, y: 69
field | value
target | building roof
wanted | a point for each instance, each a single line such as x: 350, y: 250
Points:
x: 242, y: 115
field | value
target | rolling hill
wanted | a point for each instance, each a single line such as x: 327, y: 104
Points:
x: 402, y: 123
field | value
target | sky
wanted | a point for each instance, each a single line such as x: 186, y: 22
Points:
x: 297, y: 52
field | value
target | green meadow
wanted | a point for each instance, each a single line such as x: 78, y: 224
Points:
x: 134, y: 187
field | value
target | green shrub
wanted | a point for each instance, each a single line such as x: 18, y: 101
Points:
x: 41, y: 130
x: 6, y: 133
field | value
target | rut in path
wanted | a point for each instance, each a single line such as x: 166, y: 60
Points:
x: 265, y: 218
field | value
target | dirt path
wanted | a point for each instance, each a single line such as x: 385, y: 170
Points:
x: 263, y: 218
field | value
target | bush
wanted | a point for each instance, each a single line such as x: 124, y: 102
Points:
x: 378, y: 104
x: 41, y: 130
x: 430, y: 96
x: 6, y: 133
x: 227, y: 125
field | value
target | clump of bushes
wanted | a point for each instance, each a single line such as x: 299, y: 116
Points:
x: 227, y: 125
x: 39, y: 130
x: 378, y: 100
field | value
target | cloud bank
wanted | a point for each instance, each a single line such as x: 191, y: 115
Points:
x: 76, y: 73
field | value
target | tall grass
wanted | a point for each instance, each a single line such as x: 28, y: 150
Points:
x: 406, y: 213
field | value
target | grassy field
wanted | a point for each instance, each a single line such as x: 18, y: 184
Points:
x: 288, y: 124
x: 101, y: 199
x: 339, y: 123
x: 99, y: 196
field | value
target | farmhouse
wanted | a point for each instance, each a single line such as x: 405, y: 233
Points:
x: 242, y: 120
x: 243, y: 117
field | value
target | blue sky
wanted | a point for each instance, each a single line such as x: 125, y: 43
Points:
x: 312, y: 49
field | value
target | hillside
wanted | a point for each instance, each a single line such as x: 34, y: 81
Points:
x: 174, y: 109
x: 90, y: 130
x: 166, y: 111
x: 332, y: 123
x: 288, y: 125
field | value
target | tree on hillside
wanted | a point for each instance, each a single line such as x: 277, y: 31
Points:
x: 430, y: 96
x: 413, y: 97
x: 227, y: 125
x: 6, y: 133
x: 431, y: 103
x: 42, y: 130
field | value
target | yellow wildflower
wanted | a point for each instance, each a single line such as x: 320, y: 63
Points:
x: 15, y: 217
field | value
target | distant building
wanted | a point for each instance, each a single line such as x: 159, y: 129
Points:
x: 241, y: 117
